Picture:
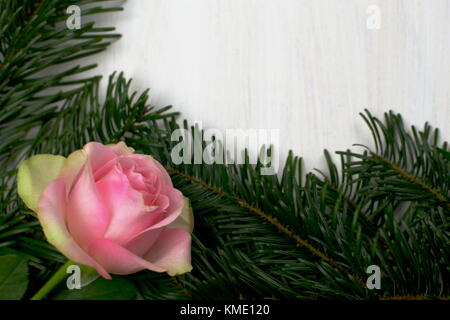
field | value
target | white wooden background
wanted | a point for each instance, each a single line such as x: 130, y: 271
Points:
x: 305, y: 67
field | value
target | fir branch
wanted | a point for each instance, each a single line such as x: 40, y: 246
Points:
x: 409, y: 177
x: 34, y: 38
x: 182, y: 288
x: 271, y: 220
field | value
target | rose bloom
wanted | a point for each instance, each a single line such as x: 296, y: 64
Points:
x: 106, y: 207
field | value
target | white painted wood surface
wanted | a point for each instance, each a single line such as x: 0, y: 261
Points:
x: 305, y: 67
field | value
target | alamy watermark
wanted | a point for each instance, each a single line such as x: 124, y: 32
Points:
x: 73, y: 22
x: 74, y: 280
x: 374, y: 280
x: 215, y: 146
x: 373, y: 21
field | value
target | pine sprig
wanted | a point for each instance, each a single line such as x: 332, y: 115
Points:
x: 35, y: 46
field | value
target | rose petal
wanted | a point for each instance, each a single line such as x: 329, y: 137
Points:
x: 72, y: 168
x: 98, y: 154
x: 87, y: 218
x: 176, y: 203
x: 147, y: 164
x: 160, y: 201
x: 136, y: 180
x: 176, y: 200
x: 117, y: 259
x: 126, y: 207
x: 35, y: 174
x: 162, y: 220
x: 51, y: 213
x: 142, y: 243
x: 120, y: 148
x: 151, y: 169
x: 128, y: 167
x: 185, y: 220
x: 172, y: 251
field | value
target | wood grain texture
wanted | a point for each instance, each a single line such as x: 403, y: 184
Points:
x: 305, y: 67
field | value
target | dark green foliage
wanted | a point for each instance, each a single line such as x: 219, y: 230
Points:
x: 13, y: 276
x: 299, y: 235
x: 35, y: 76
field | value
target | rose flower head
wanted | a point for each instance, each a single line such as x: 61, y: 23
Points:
x: 111, y: 209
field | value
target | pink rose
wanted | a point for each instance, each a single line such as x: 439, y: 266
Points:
x: 110, y: 209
